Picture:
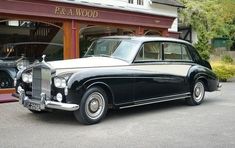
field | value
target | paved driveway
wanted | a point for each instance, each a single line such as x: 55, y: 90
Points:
x: 171, y: 124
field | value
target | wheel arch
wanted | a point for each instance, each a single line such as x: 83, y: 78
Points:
x: 82, y: 87
x: 106, y: 88
x: 197, y: 73
x: 203, y: 79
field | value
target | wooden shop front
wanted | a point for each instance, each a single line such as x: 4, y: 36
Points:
x: 69, y: 25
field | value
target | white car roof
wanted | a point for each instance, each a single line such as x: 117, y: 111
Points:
x: 148, y: 38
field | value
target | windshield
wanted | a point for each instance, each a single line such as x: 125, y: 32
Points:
x: 123, y: 49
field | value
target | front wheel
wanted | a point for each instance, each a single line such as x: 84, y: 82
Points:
x: 197, y: 94
x: 93, y: 106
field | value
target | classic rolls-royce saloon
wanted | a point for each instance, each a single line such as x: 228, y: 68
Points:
x: 117, y: 72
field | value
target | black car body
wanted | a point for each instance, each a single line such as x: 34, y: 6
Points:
x: 118, y: 72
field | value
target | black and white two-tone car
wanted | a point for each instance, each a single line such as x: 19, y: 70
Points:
x: 117, y: 72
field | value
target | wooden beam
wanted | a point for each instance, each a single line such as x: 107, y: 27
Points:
x: 65, y: 11
x: 75, y: 39
x: 67, y: 26
x: 71, y: 39
x: 7, y: 91
x: 165, y: 33
x: 139, y: 31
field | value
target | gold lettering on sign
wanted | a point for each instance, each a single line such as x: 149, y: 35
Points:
x: 76, y: 12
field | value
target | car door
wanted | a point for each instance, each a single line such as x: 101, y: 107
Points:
x: 157, y: 75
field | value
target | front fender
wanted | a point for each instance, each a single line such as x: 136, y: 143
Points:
x: 83, y: 80
x: 10, y: 71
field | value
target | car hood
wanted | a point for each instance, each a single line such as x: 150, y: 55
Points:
x: 90, y: 62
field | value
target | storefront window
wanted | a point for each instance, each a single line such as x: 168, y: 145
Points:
x: 89, y: 33
x: 23, y: 43
x: 30, y: 39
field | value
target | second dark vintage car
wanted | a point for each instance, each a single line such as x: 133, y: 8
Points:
x: 17, y: 56
x: 117, y: 72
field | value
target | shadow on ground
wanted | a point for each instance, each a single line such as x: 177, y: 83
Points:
x: 63, y: 117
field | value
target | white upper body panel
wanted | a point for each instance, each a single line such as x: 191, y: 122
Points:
x: 73, y: 64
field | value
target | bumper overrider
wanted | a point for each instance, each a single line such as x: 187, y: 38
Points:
x: 44, y: 104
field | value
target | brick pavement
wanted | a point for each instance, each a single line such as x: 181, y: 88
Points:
x: 4, y: 98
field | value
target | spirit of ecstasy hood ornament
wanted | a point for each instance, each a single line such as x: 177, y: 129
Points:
x: 43, y: 58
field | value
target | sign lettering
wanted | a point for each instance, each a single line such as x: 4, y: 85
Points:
x: 76, y: 12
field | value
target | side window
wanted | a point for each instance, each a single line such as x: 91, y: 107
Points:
x: 140, y: 2
x: 176, y: 51
x: 150, y: 51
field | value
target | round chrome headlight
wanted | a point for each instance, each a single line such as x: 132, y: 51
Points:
x: 27, y: 77
x: 59, y: 82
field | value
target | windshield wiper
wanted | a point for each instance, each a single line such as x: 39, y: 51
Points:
x: 104, y: 55
x: 98, y: 55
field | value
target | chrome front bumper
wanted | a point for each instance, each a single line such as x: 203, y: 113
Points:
x: 45, y: 104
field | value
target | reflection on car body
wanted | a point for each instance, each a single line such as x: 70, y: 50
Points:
x: 118, y: 72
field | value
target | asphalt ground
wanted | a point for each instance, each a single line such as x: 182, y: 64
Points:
x: 170, y: 124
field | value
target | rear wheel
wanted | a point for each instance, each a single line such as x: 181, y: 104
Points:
x: 197, y: 93
x: 93, y: 106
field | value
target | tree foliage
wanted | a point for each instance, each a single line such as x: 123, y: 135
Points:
x: 210, y: 19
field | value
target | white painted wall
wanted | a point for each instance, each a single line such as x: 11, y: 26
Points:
x: 194, y: 37
x: 148, y: 7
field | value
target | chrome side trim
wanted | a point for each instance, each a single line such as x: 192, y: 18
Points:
x: 170, y: 96
x: 152, y: 102
x: 157, y: 98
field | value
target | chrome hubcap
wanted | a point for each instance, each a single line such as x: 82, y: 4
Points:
x: 94, y: 105
x: 198, y: 92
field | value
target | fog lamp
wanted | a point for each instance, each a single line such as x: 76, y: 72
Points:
x: 59, y: 97
x: 19, y: 89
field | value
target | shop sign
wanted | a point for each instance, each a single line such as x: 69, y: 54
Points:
x: 80, y: 12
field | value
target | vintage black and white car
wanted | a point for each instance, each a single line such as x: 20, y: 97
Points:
x: 115, y: 73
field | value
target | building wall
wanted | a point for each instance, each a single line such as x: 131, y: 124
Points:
x: 148, y: 7
x: 194, y: 37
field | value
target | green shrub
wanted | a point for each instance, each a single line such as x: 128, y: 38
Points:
x: 227, y: 59
x: 224, y: 71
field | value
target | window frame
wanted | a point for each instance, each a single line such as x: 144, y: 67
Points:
x: 130, y: 1
x: 177, y: 60
x: 150, y: 61
x: 161, y: 52
x: 140, y: 2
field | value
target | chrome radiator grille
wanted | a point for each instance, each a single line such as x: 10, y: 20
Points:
x: 41, y: 82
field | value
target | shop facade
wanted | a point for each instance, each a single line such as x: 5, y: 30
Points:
x: 64, y: 30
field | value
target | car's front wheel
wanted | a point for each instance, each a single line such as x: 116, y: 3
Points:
x: 197, y: 93
x: 93, y: 106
